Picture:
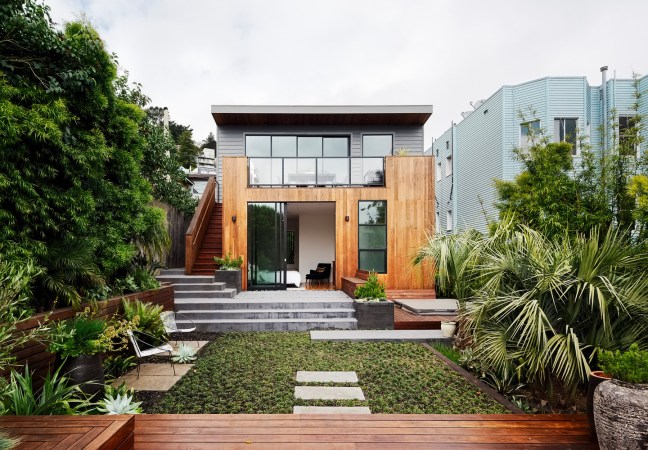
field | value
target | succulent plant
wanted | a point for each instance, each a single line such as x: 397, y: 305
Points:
x: 185, y: 354
x: 120, y: 404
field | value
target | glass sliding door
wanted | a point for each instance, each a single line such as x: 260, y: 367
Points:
x: 267, y: 245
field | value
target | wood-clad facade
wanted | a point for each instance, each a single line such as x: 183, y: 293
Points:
x: 408, y: 191
x: 336, y: 178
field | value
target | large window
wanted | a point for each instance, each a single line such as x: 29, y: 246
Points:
x: 377, y: 145
x: 297, y: 146
x: 372, y: 236
x: 529, y: 132
x: 438, y: 171
x: 628, y: 142
x: 448, y: 165
x: 566, y: 130
x: 449, y: 221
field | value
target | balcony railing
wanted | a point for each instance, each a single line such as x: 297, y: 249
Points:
x: 317, y: 171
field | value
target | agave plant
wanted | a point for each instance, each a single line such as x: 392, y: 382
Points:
x: 184, y: 354
x: 119, y: 404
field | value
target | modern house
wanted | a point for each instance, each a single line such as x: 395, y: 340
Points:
x: 301, y: 185
x: 479, y: 149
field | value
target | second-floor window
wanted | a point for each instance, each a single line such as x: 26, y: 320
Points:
x: 566, y: 130
x: 529, y: 133
x: 448, y: 169
x: 438, y: 171
x: 628, y: 136
x: 296, y: 146
x: 377, y: 145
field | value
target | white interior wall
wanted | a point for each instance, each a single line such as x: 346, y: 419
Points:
x: 316, y: 241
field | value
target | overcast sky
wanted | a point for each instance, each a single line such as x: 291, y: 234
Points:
x: 191, y: 54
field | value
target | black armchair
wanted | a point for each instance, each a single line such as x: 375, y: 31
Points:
x: 323, y: 272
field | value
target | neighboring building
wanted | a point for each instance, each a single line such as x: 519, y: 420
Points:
x: 479, y: 149
x: 302, y: 185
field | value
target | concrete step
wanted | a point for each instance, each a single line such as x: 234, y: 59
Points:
x: 216, y: 293
x: 236, y: 303
x: 381, y: 336
x: 214, y: 325
x: 183, y: 287
x: 247, y: 314
x: 184, y: 279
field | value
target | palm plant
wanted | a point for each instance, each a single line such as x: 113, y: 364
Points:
x: 148, y: 320
x: 541, y: 309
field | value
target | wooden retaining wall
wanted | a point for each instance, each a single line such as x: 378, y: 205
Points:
x: 35, y: 354
x: 178, y: 225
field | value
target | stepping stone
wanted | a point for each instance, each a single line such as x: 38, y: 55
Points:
x: 304, y: 376
x: 328, y: 393
x: 331, y: 410
x: 379, y: 335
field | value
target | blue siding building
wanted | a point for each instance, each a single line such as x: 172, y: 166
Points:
x: 471, y: 154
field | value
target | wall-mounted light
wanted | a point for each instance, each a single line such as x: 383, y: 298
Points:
x: 233, y: 218
x: 346, y: 218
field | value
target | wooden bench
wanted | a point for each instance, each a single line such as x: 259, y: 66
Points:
x: 350, y: 284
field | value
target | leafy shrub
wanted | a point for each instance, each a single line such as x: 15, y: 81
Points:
x: 229, y: 262
x: 149, y: 322
x: 630, y: 366
x: 372, y: 290
x: 8, y: 442
x: 55, y: 397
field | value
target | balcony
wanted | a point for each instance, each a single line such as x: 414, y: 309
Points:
x: 305, y: 172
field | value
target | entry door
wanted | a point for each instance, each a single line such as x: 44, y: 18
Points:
x: 267, y: 246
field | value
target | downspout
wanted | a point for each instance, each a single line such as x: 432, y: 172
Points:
x: 604, y: 115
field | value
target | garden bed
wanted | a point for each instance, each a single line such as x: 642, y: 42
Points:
x: 254, y: 373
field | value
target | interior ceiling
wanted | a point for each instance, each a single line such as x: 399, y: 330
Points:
x: 312, y: 208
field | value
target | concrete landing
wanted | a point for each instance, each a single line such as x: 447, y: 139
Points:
x: 379, y: 335
x: 331, y: 410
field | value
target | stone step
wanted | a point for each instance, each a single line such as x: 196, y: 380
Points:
x: 305, y: 376
x: 328, y: 393
x: 188, y: 300
x: 331, y: 410
x: 220, y: 293
x: 380, y: 336
x: 236, y: 303
x: 184, y: 287
x: 272, y: 324
x: 176, y: 278
x: 255, y: 314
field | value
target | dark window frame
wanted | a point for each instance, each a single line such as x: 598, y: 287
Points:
x: 374, y: 250
x: 575, y: 147
x: 391, y: 152
x: 297, y: 136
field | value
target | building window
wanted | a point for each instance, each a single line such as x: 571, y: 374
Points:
x: 529, y: 132
x: 628, y: 144
x: 377, y: 144
x: 296, y: 146
x: 566, y: 130
x: 447, y: 145
x: 448, y: 169
x: 438, y: 171
x: 437, y: 225
x: 449, y: 220
x: 372, y: 236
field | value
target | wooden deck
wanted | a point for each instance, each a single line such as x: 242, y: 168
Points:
x: 288, y: 431
x: 338, y: 432
x: 71, y: 432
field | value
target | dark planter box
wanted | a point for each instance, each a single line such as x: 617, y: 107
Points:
x: 231, y: 278
x: 374, y: 315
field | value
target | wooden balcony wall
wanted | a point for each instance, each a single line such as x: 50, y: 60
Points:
x: 198, y: 226
x: 409, y: 192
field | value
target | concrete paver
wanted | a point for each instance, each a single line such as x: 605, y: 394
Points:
x: 304, y: 376
x: 328, y: 393
x: 379, y: 335
x: 331, y: 410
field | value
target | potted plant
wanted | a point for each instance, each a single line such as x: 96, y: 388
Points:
x: 373, y: 310
x: 229, y: 271
x: 79, y: 343
x: 621, y: 404
x: 448, y: 328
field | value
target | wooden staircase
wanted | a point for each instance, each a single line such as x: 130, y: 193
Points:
x: 212, y: 244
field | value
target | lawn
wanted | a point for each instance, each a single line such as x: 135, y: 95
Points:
x: 255, y: 373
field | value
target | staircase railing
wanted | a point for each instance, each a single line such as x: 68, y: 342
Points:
x: 198, y: 226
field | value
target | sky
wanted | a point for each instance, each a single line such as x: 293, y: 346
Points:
x: 191, y: 54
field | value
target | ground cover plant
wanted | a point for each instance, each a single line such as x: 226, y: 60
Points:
x: 255, y: 373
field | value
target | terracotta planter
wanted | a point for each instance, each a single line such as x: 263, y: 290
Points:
x: 86, y: 371
x: 448, y: 329
x: 374, y: 315
x: 621, y: 414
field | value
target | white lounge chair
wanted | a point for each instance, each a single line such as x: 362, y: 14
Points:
x: 149, y: 350
x: 169, y: 318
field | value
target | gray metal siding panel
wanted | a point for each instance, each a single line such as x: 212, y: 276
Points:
x: 478, y: 161
x: 443, y: 189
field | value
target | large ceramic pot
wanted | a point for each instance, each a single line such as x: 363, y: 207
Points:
x: 448, y: 329
x: 86, y: 371
x: 374, y: 315
x: 621, y: 415
x: 596, y: 377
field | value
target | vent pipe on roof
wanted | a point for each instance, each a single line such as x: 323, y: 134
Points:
x: 604, y: 115
x: 165, y: 119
